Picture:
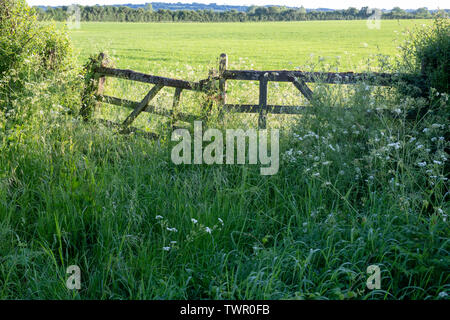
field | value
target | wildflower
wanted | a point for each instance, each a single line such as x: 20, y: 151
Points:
x: 420, y: 146
x: 326, y: 163
x: 437, y: 162
x: 194, y: 221
x: 172, y: 229
x: 208, y: 230
x: 422, y: 164
x: 159, y: 217
x: 317, y: 174
x: 167, y: 248
x: 425, y: 130
x: 396, y: 145
x: 443, y: 294
x: 221, y: 221
x: 331, y: 147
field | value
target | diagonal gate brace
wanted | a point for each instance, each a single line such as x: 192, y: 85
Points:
x: 143, y: 105
x: 302, y: 87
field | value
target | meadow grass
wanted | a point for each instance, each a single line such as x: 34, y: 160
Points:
x: 184, y: 47
x: 355, y: 188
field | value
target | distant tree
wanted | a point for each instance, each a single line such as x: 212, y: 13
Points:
x: 398, y: 13
x: 422, y: 13
x: 251, y: 9
x: 254, y: 13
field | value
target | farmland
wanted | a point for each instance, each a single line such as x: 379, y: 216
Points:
x: 355, y: 188
x: 276, y: 45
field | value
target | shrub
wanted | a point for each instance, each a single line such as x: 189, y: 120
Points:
x: 28, y: 49
x: 426, y: 52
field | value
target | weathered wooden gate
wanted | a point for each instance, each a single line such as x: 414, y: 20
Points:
x: 216, y: 86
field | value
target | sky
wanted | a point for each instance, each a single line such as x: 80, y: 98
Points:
x: 332, y: 4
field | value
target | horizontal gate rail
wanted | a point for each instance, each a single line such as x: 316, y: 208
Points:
x: 378, y: 79
x: 150, y: 109
x: 147, y: 78
x: 255, y: 108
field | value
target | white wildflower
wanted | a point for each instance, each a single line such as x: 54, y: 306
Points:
x: 422, y: 164
x: 395, y: 145
x: 443, y: 294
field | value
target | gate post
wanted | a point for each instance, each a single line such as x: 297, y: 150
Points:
x: 262, y: 121
x: 93, y: 86
x: 223, y: 66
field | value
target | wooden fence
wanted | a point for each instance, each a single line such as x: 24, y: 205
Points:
x: 216, y: 86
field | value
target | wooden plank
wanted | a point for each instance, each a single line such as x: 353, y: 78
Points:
x: 150, y: 109
x: 262, y: 121
x: 274, y: 109
x: 118, y: 102
x: 143, y: 105
x: 146, y: 78
x: 303, y: 88
x: 380, y: 79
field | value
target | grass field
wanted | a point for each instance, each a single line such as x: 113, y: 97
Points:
x: 277, y: 45
x: 354, y: 189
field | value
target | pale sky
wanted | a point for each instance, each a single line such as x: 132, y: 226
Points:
x: 333, y: 4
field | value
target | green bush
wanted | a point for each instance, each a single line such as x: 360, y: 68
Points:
x: 426, y: 52
x: 28, y: 49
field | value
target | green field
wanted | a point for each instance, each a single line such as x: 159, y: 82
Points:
x: 356, y: 187
x: 277, y: 45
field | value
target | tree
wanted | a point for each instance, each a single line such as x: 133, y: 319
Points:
x: 422, y: 13
x: 398, y: 13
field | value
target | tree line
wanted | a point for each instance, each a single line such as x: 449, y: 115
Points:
x: 254, y: 13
